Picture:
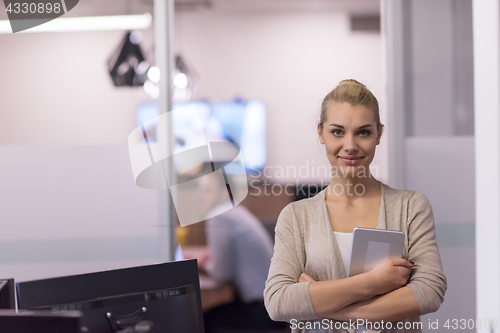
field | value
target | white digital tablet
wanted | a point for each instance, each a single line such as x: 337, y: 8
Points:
x: 371, y: 247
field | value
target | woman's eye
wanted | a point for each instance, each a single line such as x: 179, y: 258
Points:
x: 364, y: 133
x: 337, y: 132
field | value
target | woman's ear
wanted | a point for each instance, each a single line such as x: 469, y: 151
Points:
x: 320, y: 134
x: 379, y: 134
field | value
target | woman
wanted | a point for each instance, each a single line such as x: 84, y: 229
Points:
x: 307, y: 283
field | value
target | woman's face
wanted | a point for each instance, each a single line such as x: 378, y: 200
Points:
x: 350, y: 136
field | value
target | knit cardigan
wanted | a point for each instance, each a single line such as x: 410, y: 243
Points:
x: 305, y: 242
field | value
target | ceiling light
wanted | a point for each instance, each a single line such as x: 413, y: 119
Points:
x: 151, y: 89
x: 154, y: 74
x: 180, y: 81
x: 88, y: 23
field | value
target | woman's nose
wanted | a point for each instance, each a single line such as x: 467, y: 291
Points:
x: 350, y: 144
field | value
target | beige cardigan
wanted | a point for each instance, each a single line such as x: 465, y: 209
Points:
x: 305, y: 243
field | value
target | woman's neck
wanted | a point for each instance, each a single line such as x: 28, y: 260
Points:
x: 351, y: 188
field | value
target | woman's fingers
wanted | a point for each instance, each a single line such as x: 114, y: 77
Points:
x: 402, y: 262
x: 390, y: 275
x: 404, y: 268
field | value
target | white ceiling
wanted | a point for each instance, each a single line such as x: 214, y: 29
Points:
x: 120, y: 7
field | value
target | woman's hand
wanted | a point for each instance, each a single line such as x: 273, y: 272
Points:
x: 305, y: 278
x: 390, y: 275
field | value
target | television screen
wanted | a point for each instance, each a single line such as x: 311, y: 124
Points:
x: 241, y: 123
x: 165, y: 297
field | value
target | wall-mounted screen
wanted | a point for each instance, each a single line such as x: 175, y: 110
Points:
x: 243, y: 123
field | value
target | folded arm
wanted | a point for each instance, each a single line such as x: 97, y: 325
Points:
x: 286, y: 299
x: 396, y: 305
x: 358, y: 296
x: 421, y: 294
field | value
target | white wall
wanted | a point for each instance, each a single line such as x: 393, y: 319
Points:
x: 55, y: 89
x: 73, y: 209
x: 58, y: 90
x: 69, y: 202
x: 291, y: 61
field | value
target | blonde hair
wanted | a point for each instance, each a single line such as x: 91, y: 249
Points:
x: 352, y: 92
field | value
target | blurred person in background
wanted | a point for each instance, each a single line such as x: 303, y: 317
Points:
x: 239, y: 253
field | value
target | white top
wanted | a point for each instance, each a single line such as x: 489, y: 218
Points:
x: 344, y: 241
x: 240, y: 250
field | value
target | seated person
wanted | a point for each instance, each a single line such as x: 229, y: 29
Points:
x: 240, y: 251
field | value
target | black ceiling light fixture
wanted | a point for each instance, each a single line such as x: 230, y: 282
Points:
x: 127, y: 65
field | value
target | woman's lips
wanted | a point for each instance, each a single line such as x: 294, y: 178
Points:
x: 350, y: 159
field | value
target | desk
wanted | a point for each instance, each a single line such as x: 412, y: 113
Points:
x: 213, y: 293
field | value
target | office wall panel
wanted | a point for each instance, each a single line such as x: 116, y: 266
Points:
x: 68, y: 210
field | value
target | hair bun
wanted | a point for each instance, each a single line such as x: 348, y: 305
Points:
x: 351, y: 81
x: 352, y: 92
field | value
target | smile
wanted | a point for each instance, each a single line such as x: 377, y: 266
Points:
x: 350, y: 159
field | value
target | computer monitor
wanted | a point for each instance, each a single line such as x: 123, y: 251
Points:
x: 166, y: 295
x: 40, y: 322
x: 7, y: 294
